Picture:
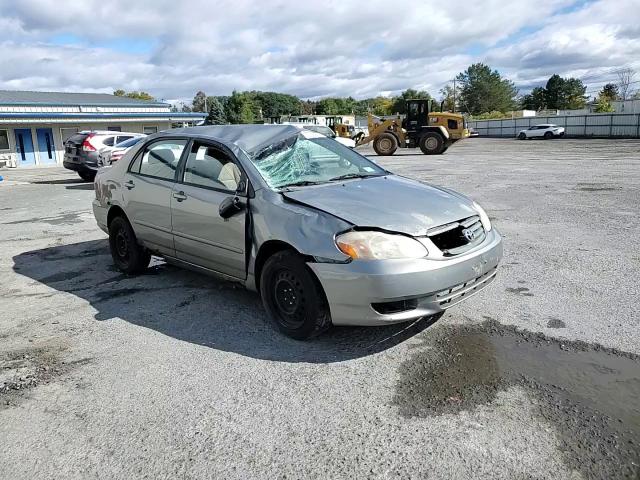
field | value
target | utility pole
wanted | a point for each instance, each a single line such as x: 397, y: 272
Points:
x: 454, y: 95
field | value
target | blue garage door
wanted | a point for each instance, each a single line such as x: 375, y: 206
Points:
x: 24, y: 147
x: 46, y: 150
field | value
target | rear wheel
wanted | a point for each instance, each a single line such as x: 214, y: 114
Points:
x: 522, y: 136
x: 385, y: 144
x: 293, y: 297
x: 431, y: 143
x: 128, y: 255
x: 548, y: 135
x: 87, y: 176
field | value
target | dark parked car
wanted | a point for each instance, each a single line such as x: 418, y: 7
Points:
x: 81, y: 150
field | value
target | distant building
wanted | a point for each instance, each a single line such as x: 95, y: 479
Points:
x: 35, y: 125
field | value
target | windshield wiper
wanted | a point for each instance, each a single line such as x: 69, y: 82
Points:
x: 301, y: 183
x: 346, y: 176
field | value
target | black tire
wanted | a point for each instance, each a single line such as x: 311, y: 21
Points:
x: 385, y: 144
x: 431, y: 143
x: 522, y: 136
x: 548, y: 135
x: 128, y: 255
x: 293, y: 297
x: 87, y: 176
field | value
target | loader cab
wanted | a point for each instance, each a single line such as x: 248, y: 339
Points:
x: 417, y: 115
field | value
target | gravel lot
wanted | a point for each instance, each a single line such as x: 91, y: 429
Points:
x: 176, y: 375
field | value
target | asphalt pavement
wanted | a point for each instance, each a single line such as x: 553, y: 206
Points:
x: 175, y: 375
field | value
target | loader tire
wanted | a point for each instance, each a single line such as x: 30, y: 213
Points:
x: 432, y: 143
x: 385, y: 144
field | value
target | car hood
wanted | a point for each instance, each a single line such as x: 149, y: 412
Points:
x: 391, y: 203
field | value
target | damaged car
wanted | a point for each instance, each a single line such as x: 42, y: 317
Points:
x: 326, y: 236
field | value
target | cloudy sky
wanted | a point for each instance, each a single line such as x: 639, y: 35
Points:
x: 309, y: 48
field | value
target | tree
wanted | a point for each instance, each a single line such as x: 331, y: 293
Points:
x: 400, y: 102
x: 484, y: 90
x: 610, y: 91
x: 216, y: 112
x: 240, y: 108
x: 199, y: 102
x: 604, y: 104
x: 565, y: 93
x: 447, y: 99
x: 135, y: 94
x: 625, y: 79
x: 274, y: 104
x: 536, y: 100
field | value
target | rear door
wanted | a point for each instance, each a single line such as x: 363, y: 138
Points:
x: 147, y: 188
x: 210, y: 175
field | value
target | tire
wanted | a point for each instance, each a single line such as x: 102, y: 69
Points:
x: 522, y: 136
x: 128, y: 255
x: 431, y: 143
x: 87, y: 176
x: 293, y: 297
x: 548, y: 135
x: 385, y: 144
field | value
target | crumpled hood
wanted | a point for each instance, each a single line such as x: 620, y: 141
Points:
x: 392, y: 203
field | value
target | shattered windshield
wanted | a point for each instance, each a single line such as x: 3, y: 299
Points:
x: 309, y: 158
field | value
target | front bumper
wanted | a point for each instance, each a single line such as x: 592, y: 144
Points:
x: 432, y: 285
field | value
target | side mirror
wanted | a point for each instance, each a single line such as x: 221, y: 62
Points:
x: 229, y: 207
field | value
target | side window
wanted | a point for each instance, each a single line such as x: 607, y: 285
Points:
x: 122, y: 138
x: 207, y: 166
x: 413, y: 109
x: 108, y: 142
x: 452, y: 124
x: 160, y: 159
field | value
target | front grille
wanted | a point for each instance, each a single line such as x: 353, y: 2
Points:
x: 451, y: 296
x: 458, y: 237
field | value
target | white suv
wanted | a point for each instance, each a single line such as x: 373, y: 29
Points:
x: 544, y: 130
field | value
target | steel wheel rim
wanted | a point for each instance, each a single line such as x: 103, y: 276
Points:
x: 385, y: 144
x: 122, y: 245
x: 288, y: 298
x: 431, y: 143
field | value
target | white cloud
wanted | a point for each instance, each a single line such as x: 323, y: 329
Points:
x: 310, y: 48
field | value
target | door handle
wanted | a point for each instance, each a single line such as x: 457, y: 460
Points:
x: 130, y: 184
x: 179, y: 196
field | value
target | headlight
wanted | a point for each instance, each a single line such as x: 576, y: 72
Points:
x: 372, y: 245
x: 484, y: 218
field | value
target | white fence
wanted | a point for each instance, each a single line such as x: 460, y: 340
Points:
x: 625, y: 125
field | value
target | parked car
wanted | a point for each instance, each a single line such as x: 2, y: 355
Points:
x: 544, y: 130
x: 473, y: 132
x: 109, y: 155
x: 327, y: 132
x: 81, y: 150
x: 325, y: 235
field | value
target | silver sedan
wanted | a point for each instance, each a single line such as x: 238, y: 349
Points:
x: 326, y: 236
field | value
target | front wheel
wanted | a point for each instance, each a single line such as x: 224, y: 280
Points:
x: 522, y: 136
x: 293, y: 297
x: 385, y: 144
x: 128, y: 255
x: 432, y: 143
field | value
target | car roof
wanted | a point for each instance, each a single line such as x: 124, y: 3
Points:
x: 546, y: 125
x: 249, y: 138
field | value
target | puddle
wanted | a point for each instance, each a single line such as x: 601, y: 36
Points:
x: 587, y: 393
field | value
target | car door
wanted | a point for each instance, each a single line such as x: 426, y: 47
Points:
x: 210, y: 175
x: 147, y: 188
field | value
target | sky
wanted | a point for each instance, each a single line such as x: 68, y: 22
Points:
x: 309, y: 48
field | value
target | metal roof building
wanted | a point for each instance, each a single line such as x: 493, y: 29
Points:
x: 34, y: 125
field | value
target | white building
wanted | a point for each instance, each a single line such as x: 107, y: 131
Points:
x: 35, y: 125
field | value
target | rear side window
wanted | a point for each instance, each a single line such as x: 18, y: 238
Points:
x: 122, y: 138
x: 108, y: 141
x: 160, y: 159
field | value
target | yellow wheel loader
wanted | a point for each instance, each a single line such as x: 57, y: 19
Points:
x: 433, y: 132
